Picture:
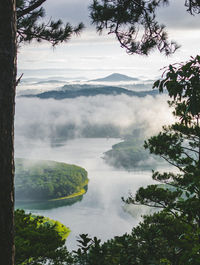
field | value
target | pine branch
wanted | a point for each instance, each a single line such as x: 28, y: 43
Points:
x: 173, y: 164
x: 30, y: 8
x: 189, y: 149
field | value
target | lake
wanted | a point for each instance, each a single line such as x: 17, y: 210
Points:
x: 101, y: 212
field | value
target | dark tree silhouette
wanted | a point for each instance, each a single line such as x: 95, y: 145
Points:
x: 135, y: 25
x: 179, y: 145
x: 29, y: 28
x: 7, y: 95
x: 13, y: 31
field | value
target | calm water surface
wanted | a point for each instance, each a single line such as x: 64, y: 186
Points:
x: 101, y: 211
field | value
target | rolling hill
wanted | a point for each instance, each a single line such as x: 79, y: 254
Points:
x: 115, y: 77
x: 69, y: 91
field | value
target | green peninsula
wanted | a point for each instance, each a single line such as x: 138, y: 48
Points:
x: 41, y: 180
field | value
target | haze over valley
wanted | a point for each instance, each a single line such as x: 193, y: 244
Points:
x: 102, y: 115
x: 81, y: 130
x: 100, y: 107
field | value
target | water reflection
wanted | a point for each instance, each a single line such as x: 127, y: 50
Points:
x: 46, y: 205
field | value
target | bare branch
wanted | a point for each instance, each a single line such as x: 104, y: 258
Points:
x: 19, y: 79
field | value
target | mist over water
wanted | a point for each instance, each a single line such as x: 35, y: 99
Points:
x: 99, y: 116
x: 100, y: 213
x: 78, y: 131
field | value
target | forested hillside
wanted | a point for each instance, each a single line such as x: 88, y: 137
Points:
x: 45, y: 180
x: 130, y: 154
x: 75, y: 91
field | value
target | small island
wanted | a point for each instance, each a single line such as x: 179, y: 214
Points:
x: 131, y: 155
x: 41, y: 180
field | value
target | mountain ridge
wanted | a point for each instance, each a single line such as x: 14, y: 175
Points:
x: 91, y: 91
x: 115, y: 77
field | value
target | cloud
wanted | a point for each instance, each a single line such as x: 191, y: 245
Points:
x: 73, y: 11
x: 52, y: 120
x: 175, y: 16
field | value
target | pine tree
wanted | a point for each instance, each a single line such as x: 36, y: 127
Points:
x: 7, y: 96
x: 29, y: 13
x: 13, y: 32
x: 179, y: 145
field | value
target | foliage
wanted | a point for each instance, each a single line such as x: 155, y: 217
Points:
x: 125, y: 18
x: 30, y: 26
x: 179, y: 145
x: 182, y: 83
x: 39, y: 239
x: 193, y: 6
x: 43, y: 180
x: 154, y: 241
x: 134, y: 23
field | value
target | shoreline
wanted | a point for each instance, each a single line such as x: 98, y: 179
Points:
x: 82, y: 191
x: 76, y: 194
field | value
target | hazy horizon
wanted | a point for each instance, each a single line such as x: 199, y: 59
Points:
x: 98, y: 55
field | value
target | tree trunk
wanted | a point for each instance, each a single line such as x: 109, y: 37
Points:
x: 7, y: 107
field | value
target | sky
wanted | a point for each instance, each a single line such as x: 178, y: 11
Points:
x: 90, y: 55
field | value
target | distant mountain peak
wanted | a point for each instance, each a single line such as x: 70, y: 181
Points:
x: 115, y: 77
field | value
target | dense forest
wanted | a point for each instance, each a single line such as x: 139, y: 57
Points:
x: 45, y: 180
x: 156, y: 240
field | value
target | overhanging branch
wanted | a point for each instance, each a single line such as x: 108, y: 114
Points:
x: 30, y: 8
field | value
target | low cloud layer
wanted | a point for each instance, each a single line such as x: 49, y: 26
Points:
x: 101, y: 116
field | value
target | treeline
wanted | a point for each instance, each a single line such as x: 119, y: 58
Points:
x: 44, y: 180
x: 161, y: 239
x: 130, y: 154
